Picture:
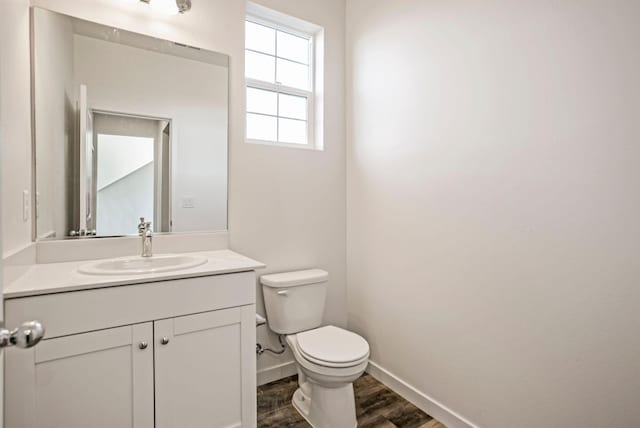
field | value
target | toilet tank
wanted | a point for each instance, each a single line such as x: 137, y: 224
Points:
x: 295, y: 300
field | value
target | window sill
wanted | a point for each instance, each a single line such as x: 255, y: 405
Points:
x: 285, y: 145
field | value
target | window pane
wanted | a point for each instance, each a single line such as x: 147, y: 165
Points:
x: 293, y: 131
x: 260, y: 38
x: 293, y: 74
x: 293, y: 47
x: 260, y: 67
x: 262, y: 127
x: 293, y: 107
x: 261, y: 101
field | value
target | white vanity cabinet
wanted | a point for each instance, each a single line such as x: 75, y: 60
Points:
x: 167, y: 354
x: 96, y: 379
x: 199, y: 361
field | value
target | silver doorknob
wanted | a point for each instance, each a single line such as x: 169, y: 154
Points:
x: 143, y: 345
x: 164, y: 340
x: 25, y: 336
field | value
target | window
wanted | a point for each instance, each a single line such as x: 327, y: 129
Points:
x: 280, y: 79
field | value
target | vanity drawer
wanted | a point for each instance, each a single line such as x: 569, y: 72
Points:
x: 81, y: 311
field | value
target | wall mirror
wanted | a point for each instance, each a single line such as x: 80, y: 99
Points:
x: 125, y: 126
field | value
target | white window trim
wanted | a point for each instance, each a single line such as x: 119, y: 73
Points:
x: 287, y: 90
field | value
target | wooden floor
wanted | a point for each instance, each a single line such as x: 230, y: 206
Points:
x: 376, y: 407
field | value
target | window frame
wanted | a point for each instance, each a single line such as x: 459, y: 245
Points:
x: 279, y: 88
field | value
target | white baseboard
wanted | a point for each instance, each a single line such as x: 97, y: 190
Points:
x: 271, y: 374
x: 425, y: 403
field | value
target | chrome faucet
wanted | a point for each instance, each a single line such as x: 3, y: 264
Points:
x: 141, y: 226
x: 144, y: 230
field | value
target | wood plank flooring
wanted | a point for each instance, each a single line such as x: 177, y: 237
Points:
x: 376, y: 407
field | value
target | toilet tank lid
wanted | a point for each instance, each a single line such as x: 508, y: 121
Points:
x: 292, y: 279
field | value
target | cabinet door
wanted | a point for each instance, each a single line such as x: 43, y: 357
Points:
x: 205, y: 370
x: 89, y: 380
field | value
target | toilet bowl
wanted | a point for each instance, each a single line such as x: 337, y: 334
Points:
x: 328, y: 359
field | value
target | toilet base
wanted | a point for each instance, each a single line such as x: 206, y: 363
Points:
x: 329, y: 407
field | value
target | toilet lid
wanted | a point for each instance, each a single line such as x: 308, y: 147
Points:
x: 332, y: 345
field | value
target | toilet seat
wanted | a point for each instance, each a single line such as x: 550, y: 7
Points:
x: 322, y: 370
x: 332, y: 346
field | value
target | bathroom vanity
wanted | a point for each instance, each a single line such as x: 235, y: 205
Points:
x: 162, y: 341
x: 170, y: 349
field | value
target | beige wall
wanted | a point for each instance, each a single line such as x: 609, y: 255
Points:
x: 494, y: 204
x: 286, y: 206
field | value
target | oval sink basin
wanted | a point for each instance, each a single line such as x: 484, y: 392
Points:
x: 137, y: 265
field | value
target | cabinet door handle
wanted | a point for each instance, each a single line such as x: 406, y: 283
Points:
x: 164, y: 340
x: 143, y: 345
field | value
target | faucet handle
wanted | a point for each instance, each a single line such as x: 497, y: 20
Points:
x: 141, y: 226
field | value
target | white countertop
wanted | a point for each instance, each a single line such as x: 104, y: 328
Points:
x: 50, y: 278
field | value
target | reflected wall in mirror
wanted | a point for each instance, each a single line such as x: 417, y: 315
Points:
x: 126, y: 126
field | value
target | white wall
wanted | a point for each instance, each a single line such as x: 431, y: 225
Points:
x: 123, y: 201
x: 286, y: 206
x: 124, y: 144
x: 54, y: 97
x: 493, y: 204
x: 3, y: 274
x: 15, y: 104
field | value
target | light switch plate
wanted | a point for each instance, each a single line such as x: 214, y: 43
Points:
x: 188, y: 202
x: 25, y: 205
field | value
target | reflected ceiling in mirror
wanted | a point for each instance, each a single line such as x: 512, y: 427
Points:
x: 125, y: 126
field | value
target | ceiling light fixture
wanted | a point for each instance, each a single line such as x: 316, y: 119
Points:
x: 169, y: 7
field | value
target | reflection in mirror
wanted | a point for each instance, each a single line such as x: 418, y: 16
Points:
x: 130, y: 177
x: 126, y: 126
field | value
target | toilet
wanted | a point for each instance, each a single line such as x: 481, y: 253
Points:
x: 328, y: 358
